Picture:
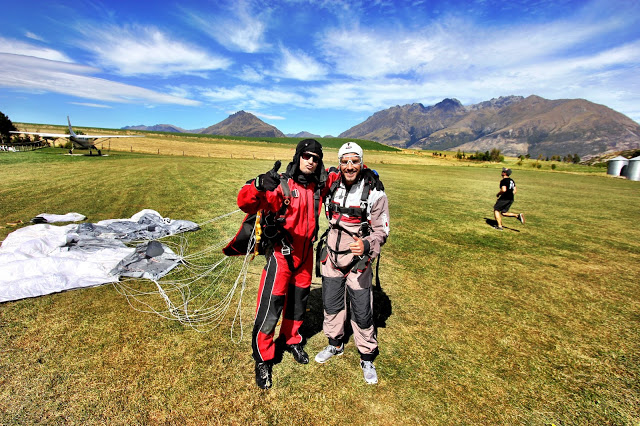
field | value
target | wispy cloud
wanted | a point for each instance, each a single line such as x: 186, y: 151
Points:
x: 251, y: 74
x: 239, y: 29
x: 368, y: 54
x: 33, y: 36
x: 90, y: 105
x: 454, y: 44
x: 139, y: 50
x: 21, y: 48
x: 299, y: 66
x: 247, y: 97
x: 42, y: 76
x: 267, y: 116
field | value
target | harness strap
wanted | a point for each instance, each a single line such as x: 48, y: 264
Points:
x: 321, y: 243
x: 286, y: 192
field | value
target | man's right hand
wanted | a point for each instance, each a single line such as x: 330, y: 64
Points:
x: 270, y: 180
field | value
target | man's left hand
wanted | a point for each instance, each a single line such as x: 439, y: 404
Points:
x: 357, y: 247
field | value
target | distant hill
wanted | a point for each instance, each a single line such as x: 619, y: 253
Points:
x: 243, y: 124
x: 158, y: 128
x: 303, y: 135
x: 513, y: 124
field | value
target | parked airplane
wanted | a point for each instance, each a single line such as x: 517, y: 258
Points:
x: 81, y: 141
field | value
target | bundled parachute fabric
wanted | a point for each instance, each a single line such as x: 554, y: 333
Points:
x: 144, y: 225
x: 150, y: 260
x: 53, y: 218
x: 42, y: 259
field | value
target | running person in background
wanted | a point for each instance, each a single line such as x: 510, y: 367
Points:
x: 286, y: 278
x: 505, y: 199
x: 358, y: 213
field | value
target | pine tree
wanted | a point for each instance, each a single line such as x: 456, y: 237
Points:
x: 6, y: 126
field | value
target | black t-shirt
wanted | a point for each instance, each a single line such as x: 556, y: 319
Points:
x: 510, y: 184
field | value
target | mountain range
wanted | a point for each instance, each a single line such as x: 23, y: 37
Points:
x: 159, y: 128
x: 513, y: 124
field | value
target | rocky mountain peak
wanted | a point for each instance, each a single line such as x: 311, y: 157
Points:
x: 244, y: 124
x: 449, y: 104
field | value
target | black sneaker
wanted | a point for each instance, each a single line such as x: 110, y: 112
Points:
x: 298, y: 353
x: 521, y: 218
x: 263, y: 375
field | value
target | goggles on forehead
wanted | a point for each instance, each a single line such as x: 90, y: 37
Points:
x: 354, y: 161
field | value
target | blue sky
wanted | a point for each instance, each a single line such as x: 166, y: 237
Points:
x: 321, y: 66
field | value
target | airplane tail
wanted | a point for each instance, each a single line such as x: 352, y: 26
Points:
x: 71, y: 132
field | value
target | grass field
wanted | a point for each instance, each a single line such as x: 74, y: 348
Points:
x: 537, y: 324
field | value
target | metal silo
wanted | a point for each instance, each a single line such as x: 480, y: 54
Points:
x: 615, y: 165
x: 633, y: 169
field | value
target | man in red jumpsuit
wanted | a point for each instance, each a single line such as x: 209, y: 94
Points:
x: 286, y: 278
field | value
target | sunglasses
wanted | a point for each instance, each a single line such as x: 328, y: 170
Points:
x: 354, y: 162
x: 306, y: 156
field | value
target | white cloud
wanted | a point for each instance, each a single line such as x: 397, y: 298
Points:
x: 147, y: 50
x: 266, y: 116
x: 250, y: 74
x: 251, y: 97
x: 21, y: 48
x: 240, y: 31
x: 43, y: 76
x: 224, y: 94
x: 90, y: 105
x: 33, y: 36
x: 455, y: 45
x: 299, y: 66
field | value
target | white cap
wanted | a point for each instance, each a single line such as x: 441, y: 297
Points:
x: 350, y: 148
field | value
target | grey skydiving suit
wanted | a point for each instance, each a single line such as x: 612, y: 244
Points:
x: 340, y: 268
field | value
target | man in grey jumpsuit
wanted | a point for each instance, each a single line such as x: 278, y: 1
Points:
x: 358, y: 213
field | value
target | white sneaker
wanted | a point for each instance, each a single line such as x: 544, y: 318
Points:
x: 521, y: 218
x: 328, y: 352
x: 369, y: 372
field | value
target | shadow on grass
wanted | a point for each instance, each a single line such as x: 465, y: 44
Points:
x: 314, y: 317
x: 493, y: 223
x: 382, y: 310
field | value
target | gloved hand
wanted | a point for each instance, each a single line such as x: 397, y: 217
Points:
x: 270, y: 180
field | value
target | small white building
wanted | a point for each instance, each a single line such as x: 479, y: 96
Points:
x: 617, y: 166
x: 633, y: 169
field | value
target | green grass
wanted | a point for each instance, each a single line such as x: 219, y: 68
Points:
x: 537, y: 324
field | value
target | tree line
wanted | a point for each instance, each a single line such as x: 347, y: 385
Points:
x: 495, y: 156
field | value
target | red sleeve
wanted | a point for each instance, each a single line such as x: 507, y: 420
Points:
x: 250, y: 200
x: 331, y: 178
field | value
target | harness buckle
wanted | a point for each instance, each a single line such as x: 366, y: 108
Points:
x: 285, y: 250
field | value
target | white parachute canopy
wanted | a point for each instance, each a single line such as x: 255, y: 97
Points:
x: 42, y: 259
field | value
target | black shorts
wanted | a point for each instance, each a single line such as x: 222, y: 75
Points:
x: 503, y: 205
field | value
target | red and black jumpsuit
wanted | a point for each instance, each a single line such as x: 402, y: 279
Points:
x: 286, y: 279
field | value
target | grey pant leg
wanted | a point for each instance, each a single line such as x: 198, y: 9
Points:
x: 361, y: 295
x: 334, y: 303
